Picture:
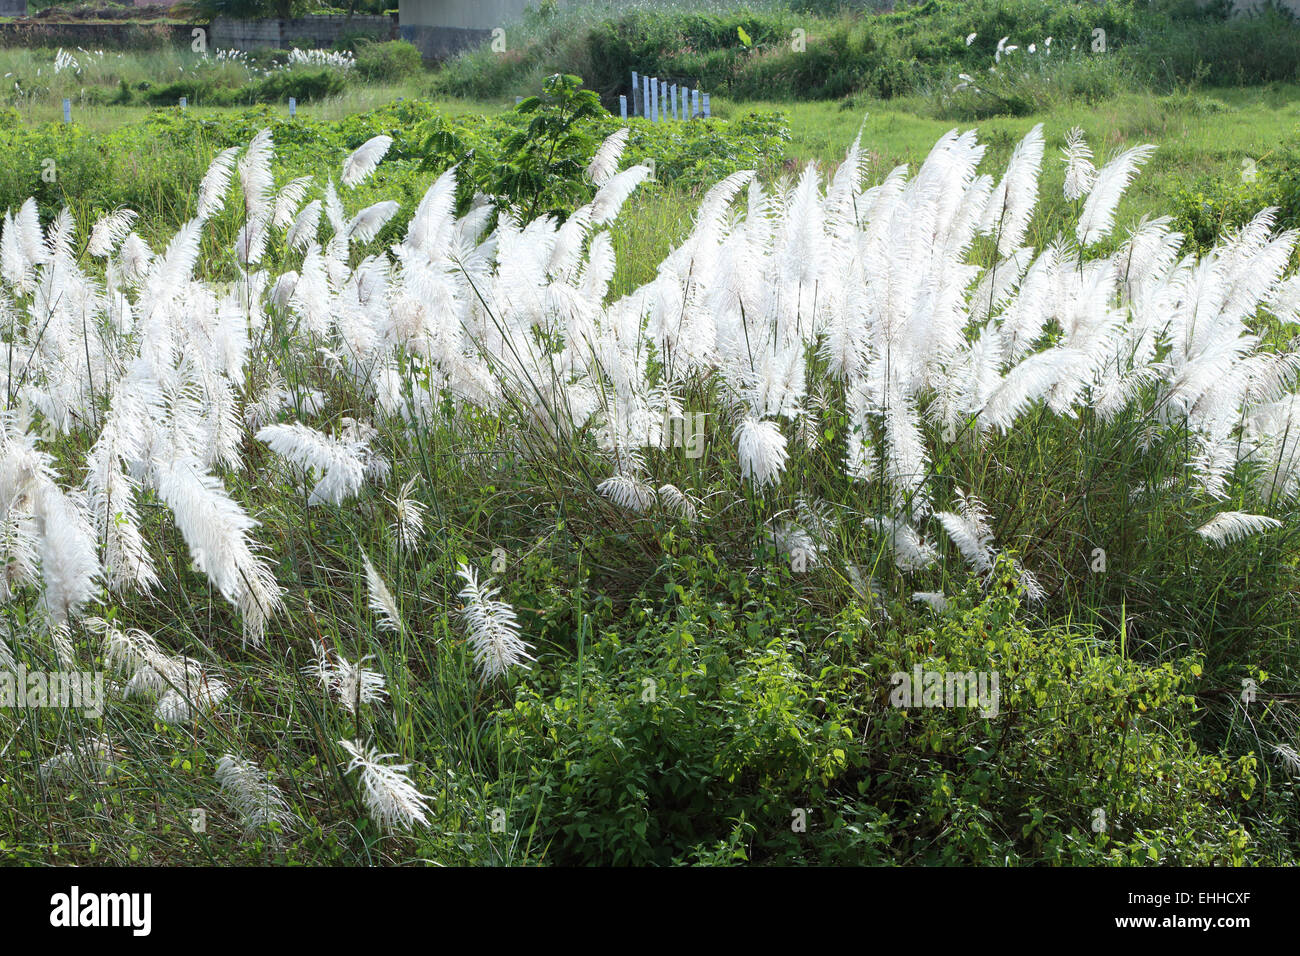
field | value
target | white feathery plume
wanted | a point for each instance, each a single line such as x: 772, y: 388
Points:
x: 678, y: 502
x: 70, y: 567
x: 133, y: 651
x: 970, y: 531
x: 135, y: 257
x: 305, y: 225
x: 351, y: 684
x: 431, y: 228
x: 387, y: 790
x: 366, y: 224
x: 1230, y: 526
x: 408, y: 523
x: 19, y: 547
x: 761, y: 448
x: 61, y: 639
x: 1079, y: 170
x: 111, y: 493
x: 249, y: 791
x: 907, y: 463
x: 91, y: 759
x: 340, y: 463
x: 934, y: 600
x: 334, y: 209
x: 911, y: 553
x: 287, y: 201
x: 627, y: 491
x: 251, y: 241
x: 362, y: 162
x: 31, y: 243
x: 361, y: 436
x: 492, y: 627
x: 109, y: 232
x: 604, y: 164
x: 256, y: 178
x: 181, y: 685
x: 216, y: 529
x: 311, y: 298
x: 1011, y: 204
x: 1290, y: 758
x: 1098, y: 215
x: 181, y: 703
x: 14, y: 267
x: 60, y: 236
x: 614, y: 193
x: 215, y: 182
x: 382, y: 601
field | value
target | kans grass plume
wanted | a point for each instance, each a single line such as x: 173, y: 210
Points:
x: 152, y: 382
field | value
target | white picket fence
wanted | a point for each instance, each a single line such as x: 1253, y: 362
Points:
x: 659, y: 100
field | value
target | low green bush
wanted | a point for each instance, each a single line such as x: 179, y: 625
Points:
x: 303, y: 84
x: 708, y: 718
x: 1212, y: 207
x: 387, y: 62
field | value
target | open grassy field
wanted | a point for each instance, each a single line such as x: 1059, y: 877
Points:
x: 431, y: 480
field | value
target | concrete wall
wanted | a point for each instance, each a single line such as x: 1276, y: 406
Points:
x: 442, y: 28
x: 94, y: 36
x: 461, y: 14
x: 243, y: 34
x: 323, y: 31
x: 13, y: 8
x: 301, y: 31
x: 439, y: 43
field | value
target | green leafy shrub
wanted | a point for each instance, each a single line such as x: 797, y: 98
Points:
x: 387, y: 62
x: 305, y: 85
x: 697, y: 722
x: 539, y: 166
x: 1211, y: 207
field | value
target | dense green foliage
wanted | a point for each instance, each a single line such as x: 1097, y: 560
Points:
x: 1212, y: 206
x: 702, y: 718
x: 541, y: 166
x: 916, y: 47
x: 387, y: 62
x: 154, y: 166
